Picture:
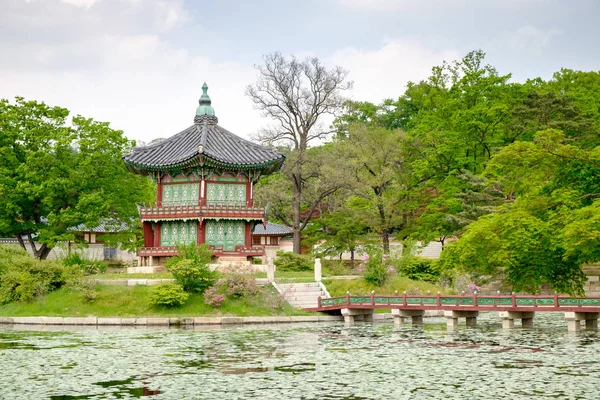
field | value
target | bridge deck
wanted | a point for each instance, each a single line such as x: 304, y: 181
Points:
x: 525, y: 303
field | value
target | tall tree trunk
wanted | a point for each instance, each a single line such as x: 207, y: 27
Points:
x: 42, y: 252
x: 20, y: 240
x: 352, y: 257
x: 385, y: 235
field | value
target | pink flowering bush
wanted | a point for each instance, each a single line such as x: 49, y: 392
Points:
x: 473, y: 288
x: 212, y: 297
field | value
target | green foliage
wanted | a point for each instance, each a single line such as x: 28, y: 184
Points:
x: 377, y: 268
x: 87, y: 286
x: 419, y: 269
x: 191, y: 276
x: 22, y: 278
x: 335, y: 233
x: 87, y: 266
x: 518, y: 245
x: 168, y: 295
x: 58, y: 172
x: 336, y: 268
x: 287, y: 261
x: 201, y: 255
x: 190, y: 268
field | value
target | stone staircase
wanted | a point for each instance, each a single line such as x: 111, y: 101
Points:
x: 302, y: 295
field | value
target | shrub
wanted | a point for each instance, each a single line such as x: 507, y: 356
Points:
x: 201, y: 255
x: 239, y: 285
x: 191, y: 276
x: 213, y: 298
x: 336, y: 267
x: 288, y: 261
x: 88, y: 266
x: 190, y: 268
x: 168, y: 295
x: 86, y: 286
x: 376, y: 269
x: 23, y: 277
x: 419, y: 269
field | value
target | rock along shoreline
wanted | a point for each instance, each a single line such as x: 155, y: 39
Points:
x: 183, y: 321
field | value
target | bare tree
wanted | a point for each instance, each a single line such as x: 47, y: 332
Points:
x: 296, y: 94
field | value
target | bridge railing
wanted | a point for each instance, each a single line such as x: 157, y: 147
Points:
x: 471, y: 301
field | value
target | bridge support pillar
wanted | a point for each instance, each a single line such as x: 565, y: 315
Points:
x: 415, y: 315
x: 508, y: 319
x: 453, y: 316
x: 574, y: 320
x: 353, y: 314
x: 150, y: 261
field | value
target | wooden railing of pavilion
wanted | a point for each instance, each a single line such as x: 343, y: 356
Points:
x: 255, y: 250
x: 174, y: 210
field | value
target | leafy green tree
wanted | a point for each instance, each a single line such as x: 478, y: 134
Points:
x: 58, y: 172
x: 336, y: 233
x: 519, y: 246
x: 383, y: 197
x: 548, y: 229
x: 456, y: 202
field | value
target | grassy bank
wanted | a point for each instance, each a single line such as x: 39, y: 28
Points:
x: 362, y: 287
x: 124, y: 301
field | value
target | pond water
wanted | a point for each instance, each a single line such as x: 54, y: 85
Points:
x: 303, y: 361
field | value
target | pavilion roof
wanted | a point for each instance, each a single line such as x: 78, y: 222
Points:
x: 204, y: 143
x: 271, y: 229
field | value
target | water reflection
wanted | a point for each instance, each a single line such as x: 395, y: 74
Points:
x: 304, y: 361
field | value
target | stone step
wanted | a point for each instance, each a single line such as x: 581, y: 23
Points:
x: 299, y: 285
x: 303, y: 298
x: 305, y: 305
x: 301, y: 289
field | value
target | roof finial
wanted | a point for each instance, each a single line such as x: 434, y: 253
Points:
x: 205, y: 112
x: 204, y: 99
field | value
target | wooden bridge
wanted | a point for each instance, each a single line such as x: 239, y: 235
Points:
x: 510, y: 307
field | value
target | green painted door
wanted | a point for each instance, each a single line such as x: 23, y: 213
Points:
x: 173, y: 233
x: 226, y: 234
x: 180, y: 193
x: 219, y: 193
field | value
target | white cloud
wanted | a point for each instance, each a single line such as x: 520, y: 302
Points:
x: 531, y: 38
x: 431, y: 5
x: 384, y: 72
x: 113, y: 62
x: 405, y: 5
x: 132, y: 77
x: 80, y: 3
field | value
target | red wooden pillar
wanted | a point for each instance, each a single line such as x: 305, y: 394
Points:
x: 201, y: 237
x: 202, y: 192
x: 249, y: 200
x: 148, y: 234
x: 159, y: 191
x: 157, y: 235
x: 248, y: 234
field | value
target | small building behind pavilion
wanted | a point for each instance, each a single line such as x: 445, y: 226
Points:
x: 205, y: 177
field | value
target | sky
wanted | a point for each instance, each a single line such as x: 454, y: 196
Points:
x: 140, y: 64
